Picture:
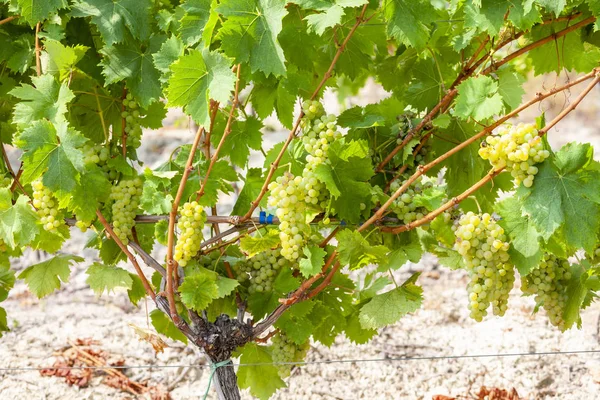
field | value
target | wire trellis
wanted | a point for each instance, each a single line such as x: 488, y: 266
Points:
x: 317, y: 362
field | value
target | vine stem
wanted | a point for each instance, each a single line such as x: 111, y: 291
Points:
x: 300, y: 293
x: 171, y: 264
x: 494, y: 66
x: 226, y: 133
x: 38, y: 50
x: 8, y: 19
x: 15, y: 177
x: 130, y: 256
x: 275, y: 164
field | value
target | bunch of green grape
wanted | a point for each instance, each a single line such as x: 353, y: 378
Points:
x: 261, y: 270
x: 284, y: 350
x: 190, y: 224
x: 131, y: 115
x: 548, y: 283
x: 518, y: 148
x: 5, y: 181
x: 99, y: 155
x: 287, y: 195
x: 484, y: 248
x: 404, y: 206
x: 51, y: 216
x: 126, y: 196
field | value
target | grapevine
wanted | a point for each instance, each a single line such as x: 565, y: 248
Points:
x: 51, y: 216
x: 126, y: 196
x: 286, y: 352
x: 519, y: 149
x: 191, y: 222
x: 548, y: 283
x: 483, y: 246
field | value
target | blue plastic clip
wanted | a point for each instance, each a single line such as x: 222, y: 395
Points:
x: 270, y: 219
x: 261, y: 217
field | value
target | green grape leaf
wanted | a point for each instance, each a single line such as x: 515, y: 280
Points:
x: 34, y: 11
x: 356, y: 252
x: 169, y: 52
x: 3, y: 321
x: 556, y: 6
x: 346, y: 177
x: 18, y: 222
x: 103, y: 278
x: 156, y: 198
x: 249, y: 192
x: 330, y: 15
x: 486, y: 16
x: 411, y: 251
x: 408, y: 21
x: 46, y: 99
x: 294, y: 323
x: 194, y: 21
x: 225, y: 286
x: 93, y: 189
x: 478, y: 97
x: 250, y: 33
x: 137, y: 291
x: 313, y: 262
x: 245, y: 135
x: 114, y: 18
x: 197, y: 78
x: 387, y: 308
x: 55, y: 153
x: 525, y: 264
x: 198, y: 290
x: 262, y: 303
x: 263, y: 379
x: 45, y: 277
x: 568, y: 52
x: 565, y: 192
x: 60, y: 60
x: 7, y: 281
x: 576, y: 293
x: 519, y: 227
x: 252, y: 245
x: 426, y: 87
x: 165, y: 326
x: 524, y: 16
x: 132, y: 61
x: 510, y: 87
x: 355, y: 332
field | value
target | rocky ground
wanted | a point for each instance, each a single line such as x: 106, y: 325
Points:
x: 440, y: 328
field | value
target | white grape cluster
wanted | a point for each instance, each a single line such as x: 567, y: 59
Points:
x: 293, y: 196
x: 131, y: 114
x: 518, y: 148
x: 99, y: 155
x: 484, y: 248
x: 190, y: 224
x: 549, y: 284
x: 126, y: 196
x: 261, y: 270
x: 404, y: 206
x: 51, y: 216
x: 284, y: 350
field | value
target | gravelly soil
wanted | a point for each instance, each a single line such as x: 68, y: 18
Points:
x: 440, y: 328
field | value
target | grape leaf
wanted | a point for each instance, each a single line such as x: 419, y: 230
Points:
x: 7, y: 281
x: 487, y: 16
x: 262, y: 303
x: 576, y: 292
x: 252, y: 245
x: 198, y: 290
x: 197, y: 78
x: 387, y: 308
x: 245, y: 135
x: 169, y: 52
x: 106, y: 278
x: 411, y: 251
x: 46, y: 99
x: 355, y: 332
x: 510, y: 87
x: 194, y: 21
x: 346, y: 177
x: 45, y: 277
x: 114, y: 18
x: 60, y: 59
x: 252, y: 185
x: 225, y: 286
x: 478, y: 97
x: 524, y: 16
x: 426, y: 87
x: 294, y: 323
x: 263, y: 379
x: 313, y: 262
x: 18, y: 222
x: 34, y: 11
x: 556, y: 6
x: 521, y: 230
x: 132, y: 61
x: 93, y: 189
x: 566, y: 192
x: 250, y: 33
x: 356, y: 252
x: 137, y: 291
x: 53, y: 151
x: 330, y: 15
x: 165, y: 326
x: 3, y: 321
x: 408, y: 21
